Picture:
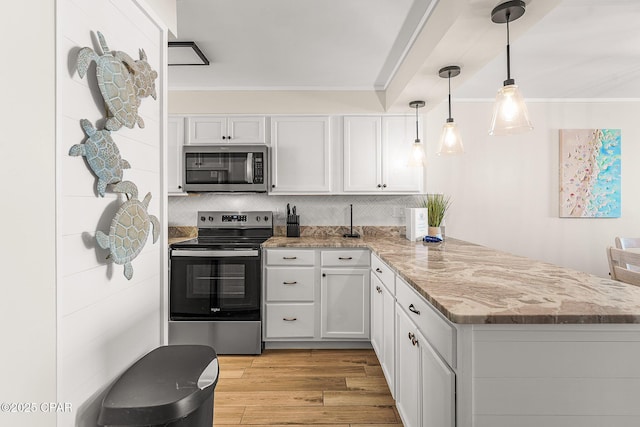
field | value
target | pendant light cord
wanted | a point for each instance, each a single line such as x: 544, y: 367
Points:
x: 450, y: 118
x: 417, y: 138
x: 508, y: 53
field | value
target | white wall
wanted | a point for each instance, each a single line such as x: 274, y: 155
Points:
x: 505, y: 190
x: 105, y: 322
x: 27, y: 255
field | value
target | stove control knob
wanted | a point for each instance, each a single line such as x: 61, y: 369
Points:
x: 258, y: 218
x: 211, y: 218
x: 203, y: 218
x: 266, y: 218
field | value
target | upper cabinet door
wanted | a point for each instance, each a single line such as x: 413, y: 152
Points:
x: 301, y: 155
x: 222, y: 130
x: 362, y: 154
x: 398, y: 136
x: 246, y: 129
x: 175, y: 134
x: 207, y: 130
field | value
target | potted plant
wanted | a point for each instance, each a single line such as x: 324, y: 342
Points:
x: 437, y: 206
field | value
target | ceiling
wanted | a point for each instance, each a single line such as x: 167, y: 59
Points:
x: 560, y: 48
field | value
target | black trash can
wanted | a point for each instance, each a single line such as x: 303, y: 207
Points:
x: 170, y: 386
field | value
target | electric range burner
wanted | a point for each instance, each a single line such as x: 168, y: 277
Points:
x: 230, y: 230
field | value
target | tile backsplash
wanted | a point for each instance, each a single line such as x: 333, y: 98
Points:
x: 313, y: 210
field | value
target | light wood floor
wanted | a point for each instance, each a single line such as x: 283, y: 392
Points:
x: 331, y: 388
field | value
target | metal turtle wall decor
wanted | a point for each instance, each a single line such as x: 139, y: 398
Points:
x: 144, y: 78
x: 102, y: 154
x: 115, y: 82
x: 129, y: 228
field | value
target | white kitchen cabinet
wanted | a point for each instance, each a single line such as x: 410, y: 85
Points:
x: 290, y: 294
x: 376, y: 152
x: 438, y: 387
x: 300, y: 155
x: 377, y: 316
x: 226, y: 129
x: 344, y: 303
x: 408, y: 373
x: 382, y: 328
x: 175, y: 141
x: 383, y: 306
x: 425, y: 382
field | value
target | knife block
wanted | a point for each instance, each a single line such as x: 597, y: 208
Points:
x: 293, y: 225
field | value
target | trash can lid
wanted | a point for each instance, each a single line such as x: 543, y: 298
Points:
x: 165, y: 385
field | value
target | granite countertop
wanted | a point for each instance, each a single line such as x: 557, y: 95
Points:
x: 473, y: 284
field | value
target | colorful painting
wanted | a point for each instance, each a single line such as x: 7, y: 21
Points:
x: 590, y: 173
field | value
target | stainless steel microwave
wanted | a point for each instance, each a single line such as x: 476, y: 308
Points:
x: 225, y: 168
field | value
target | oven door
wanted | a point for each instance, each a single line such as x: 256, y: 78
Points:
x: 214, y: 284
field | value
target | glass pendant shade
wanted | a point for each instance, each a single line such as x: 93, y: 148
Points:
x: 450, y: 140
x: 510, y: 114
x: 417, y: 157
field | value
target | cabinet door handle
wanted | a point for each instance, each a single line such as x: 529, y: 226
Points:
x: 413, y: 309
x: 384, y: 185
x: 345, y: 258
x: 224, y: 137
x: 289, y: 319
x: 378, y: 270
x: 379, y: 186
x: 289, y: 283
x: 378, y: 289
x: 413, y: 339
x: 289, y: 257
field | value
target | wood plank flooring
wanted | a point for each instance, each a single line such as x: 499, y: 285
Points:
x: 319, y: 388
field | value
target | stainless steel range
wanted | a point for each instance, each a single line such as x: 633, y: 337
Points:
x: 215, y: 281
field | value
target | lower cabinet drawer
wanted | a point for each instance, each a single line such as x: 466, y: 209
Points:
x: 290, y: 284
x: 290, y: 320
x: 345, y: 258
x: 438, y: 331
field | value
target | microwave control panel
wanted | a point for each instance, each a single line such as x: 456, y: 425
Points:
x: 258, y: 170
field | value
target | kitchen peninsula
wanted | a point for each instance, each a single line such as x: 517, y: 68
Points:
x: 507, y: 340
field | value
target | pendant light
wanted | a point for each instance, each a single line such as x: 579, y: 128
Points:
x: 450, y: 140
x: 510, y: 115
x: 417, y: 157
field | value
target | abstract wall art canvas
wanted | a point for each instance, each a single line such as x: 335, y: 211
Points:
x: 590, y: 163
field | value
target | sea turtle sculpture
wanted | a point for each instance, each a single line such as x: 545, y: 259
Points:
x: 102, y: 154
x: 115, y: 82
x: 129, y: 228
x: 144, y: 78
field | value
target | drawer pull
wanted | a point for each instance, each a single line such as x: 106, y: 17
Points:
x: 289, y: 257
x: 378, y: 270
x: 413, y: 309
x: 289, y: 319
x: 345, y: 258
x: 378, y: 289
x: 289, y: 283
x: 413, y: 339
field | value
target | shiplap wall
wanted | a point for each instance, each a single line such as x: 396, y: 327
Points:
x: 105, y: 322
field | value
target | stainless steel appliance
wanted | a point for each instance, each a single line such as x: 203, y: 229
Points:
x: 215, y: 282
x: 225, y: 168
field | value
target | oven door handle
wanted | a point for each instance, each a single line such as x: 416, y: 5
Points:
x: 216, y: 254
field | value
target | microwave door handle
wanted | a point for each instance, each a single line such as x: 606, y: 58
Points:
x: 249, y: 168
